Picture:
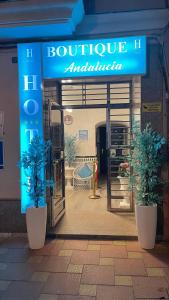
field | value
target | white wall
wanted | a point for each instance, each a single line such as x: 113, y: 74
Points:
x: 9, y: 176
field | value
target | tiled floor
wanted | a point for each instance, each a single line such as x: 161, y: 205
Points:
x: 90, y: 216
x: 83, y: 270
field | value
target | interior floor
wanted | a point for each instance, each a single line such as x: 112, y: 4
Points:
x: 85, y: 216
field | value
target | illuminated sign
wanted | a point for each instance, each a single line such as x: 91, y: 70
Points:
x: 117, y: 56
x: 30, y: 93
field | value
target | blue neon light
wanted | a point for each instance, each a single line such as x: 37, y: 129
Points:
x: 31, y: 114
x: 117, y: 56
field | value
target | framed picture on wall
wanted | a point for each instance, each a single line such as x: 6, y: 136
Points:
x: 83, y: 135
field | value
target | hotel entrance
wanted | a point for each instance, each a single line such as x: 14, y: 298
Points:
x: 96, y: 117
x: 91, y: 94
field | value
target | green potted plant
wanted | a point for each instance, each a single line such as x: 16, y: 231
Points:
x: 145, y: 160
x: 70, y: 154
x: 33, y: 162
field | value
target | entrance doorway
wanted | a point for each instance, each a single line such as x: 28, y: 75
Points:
x: 101, y: 144
x: 106, y: 139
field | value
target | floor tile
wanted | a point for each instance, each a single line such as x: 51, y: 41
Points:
x: 15, y: 242
x: 106, y: 261
x: 40, y: 276
x: 75, y: 268
x: 65, y: 253
x: 150, y: 287
x: 114, y: 293
x: 62, y: 283
x: 98, y: 275
x: 129, y: 266
x: 135, y: 255
x: 87, y: 290
x: 113, y: 251
x: 75, y: 244
x: 85, y: 257
x: 15, y: 255
x: 23, y: 290
x: 35, y: 259
x: 93, y: 247
x: 155, y: 272
x: 4, y: 285
x: 166, y: 272
x: 123, y: 280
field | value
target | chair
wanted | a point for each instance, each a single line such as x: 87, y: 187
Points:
x: 82, y: 176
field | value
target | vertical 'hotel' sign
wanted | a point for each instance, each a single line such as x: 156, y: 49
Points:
x: 30, y: 93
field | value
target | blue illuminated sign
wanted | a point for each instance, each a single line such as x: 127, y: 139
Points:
x: 30, y: 93
x: 117, y: 56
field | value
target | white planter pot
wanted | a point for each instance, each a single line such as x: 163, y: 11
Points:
x: 146, y: 221
x: 36, y: 226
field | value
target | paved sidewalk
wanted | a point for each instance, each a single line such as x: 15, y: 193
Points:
x: 83, y: 270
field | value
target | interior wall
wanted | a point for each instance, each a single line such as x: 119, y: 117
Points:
x: 9, y: 176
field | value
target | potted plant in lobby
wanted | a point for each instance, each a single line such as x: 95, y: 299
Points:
x: 33, y: 162
x: 145, y: 160
x: 70, y: 154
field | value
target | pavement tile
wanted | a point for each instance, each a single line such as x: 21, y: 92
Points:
x: 119, y: 243
x: 135, y: 255
x: 15, y: 242
x: 65, y: 252
x: 166, y: 272
x: 17, y: 271
x: 155, y: 272
x: 123, y: 280
x: 52, y: 264
x: 152, y: 260
x: 4, y: 285
x: 49, y: 248
x: 62, y: 283
x: 129, y: 266
x: 114, y: 293
x: 98, y: 275
x: 113, y: 251
x: 40, y: 276
x: 106, y: 261
x: 150, y: 287
x: 35, y: 259
x: 69, y: 297
x: 48, y: 297
x: 85, y: 257
x: 100, y: 242
x: 93, y: 247
x: 3, y: 266
x: 75, y: 268
x: 134, y: 246
x: 15, y: 255
x: 75, y: 244
x: 87, y: 290
x: 23, y: 291
x: 3, y: 250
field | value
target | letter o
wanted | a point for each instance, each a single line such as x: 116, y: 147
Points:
x: 59, y: 49
x: 35, y: 109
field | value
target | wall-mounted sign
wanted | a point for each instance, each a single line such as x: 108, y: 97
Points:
x: 151, y: 107
x: 30, y: 93
x: 83, y: 135
x: 115, y: 56
x: 68, y: 120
